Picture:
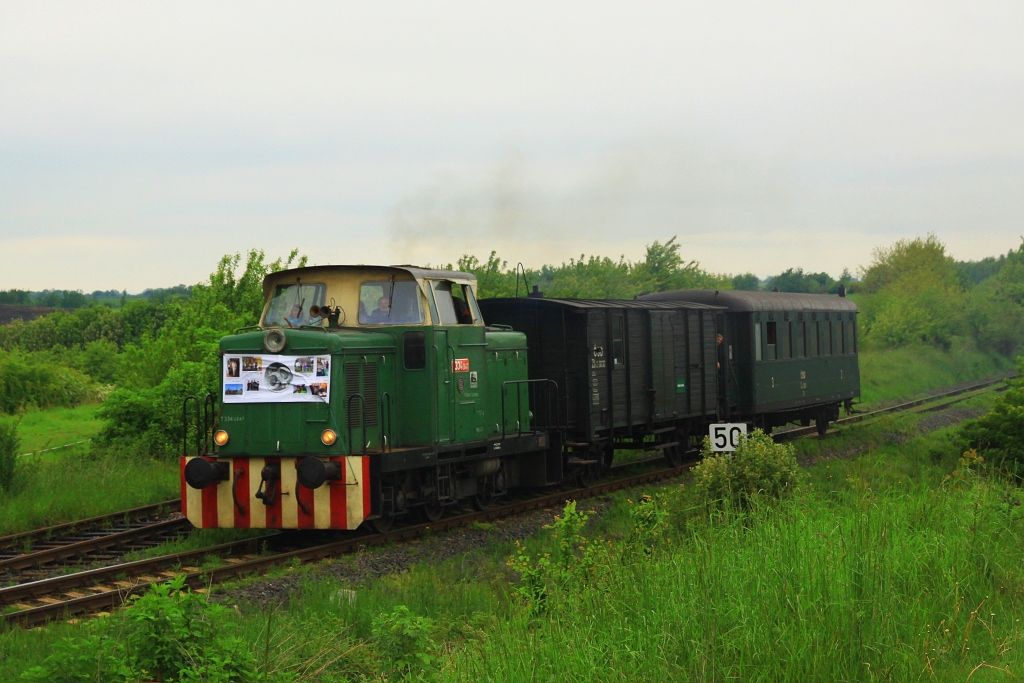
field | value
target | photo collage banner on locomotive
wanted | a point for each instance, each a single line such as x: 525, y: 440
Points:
x: 276, y: 379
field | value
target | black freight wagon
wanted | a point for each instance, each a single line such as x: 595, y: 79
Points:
x: 787, y: 357
x: 629, y: 374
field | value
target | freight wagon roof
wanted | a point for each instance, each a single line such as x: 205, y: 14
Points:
x: 757, y: 301
x: 604, y: 303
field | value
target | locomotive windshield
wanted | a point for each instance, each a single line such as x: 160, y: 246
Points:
x: 390, y: 302
x: 290, y: 304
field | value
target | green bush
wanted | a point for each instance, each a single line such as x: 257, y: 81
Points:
x: 758, y: 468
x: 169, y: 634
x: 999, y: 435
x: 404, y: 639
x: 39, y: 379
x: 556, y: 574
x: 9, y: 445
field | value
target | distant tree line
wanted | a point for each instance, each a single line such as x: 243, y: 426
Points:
x: 76, y: 298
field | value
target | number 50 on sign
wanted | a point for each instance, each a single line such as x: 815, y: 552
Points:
x: 725, y: 436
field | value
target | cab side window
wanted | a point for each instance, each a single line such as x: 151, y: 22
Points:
x: 455, y: 303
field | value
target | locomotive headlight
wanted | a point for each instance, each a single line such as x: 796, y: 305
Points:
x: 328, y: 437
x: 274, y: 340
x: 220, y: 437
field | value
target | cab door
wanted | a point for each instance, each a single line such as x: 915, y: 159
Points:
x: 460, y: 346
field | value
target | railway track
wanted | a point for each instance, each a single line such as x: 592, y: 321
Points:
x: 96, y: 590
x: 35, y: 554
x: 34, y: 602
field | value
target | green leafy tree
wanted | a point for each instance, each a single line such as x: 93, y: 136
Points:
x: 747, y: 282
x: 180, y: 358
x: 796, y: 280
x: 911, y: 294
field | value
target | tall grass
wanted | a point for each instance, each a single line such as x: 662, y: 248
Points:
x: 888, y: 374
x: 81, y: 482
x: 894, y: 587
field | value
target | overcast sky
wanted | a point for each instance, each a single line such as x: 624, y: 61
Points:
x: 140, y: 141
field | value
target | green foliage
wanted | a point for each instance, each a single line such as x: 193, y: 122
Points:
x: 405, y: 640
x: 158, y: 371
x: 169, y: 634
x: 759, y: 468
x: 41, y: 380
x: 912, y: 294
x: 1000, y: 434
x: 649, y: 518
x: 9, y: 445
x: 594, y: 277
x: 995, y: 309
x: 552, y: 575
x: 747, y: 282
x: 796, y: 280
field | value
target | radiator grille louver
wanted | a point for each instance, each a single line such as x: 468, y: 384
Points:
x: 354, y: 372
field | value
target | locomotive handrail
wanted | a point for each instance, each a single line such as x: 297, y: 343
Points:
x: 385, y: 421
x: 209, y: 414
x: 362, y: 420
x: 552, y: 387
x: 203, y: 429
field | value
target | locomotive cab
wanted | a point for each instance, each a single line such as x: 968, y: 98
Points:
x: 365, y: 393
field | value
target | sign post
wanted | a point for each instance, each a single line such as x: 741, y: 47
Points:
x: 725, y: 436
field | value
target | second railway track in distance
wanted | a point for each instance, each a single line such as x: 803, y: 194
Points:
x: 37, y: 601
x: 35, y: 554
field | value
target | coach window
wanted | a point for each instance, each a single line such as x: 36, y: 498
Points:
x: 771, y: 339
x: 757, y: 341
x: 825, y: 329
x: 851, y: 344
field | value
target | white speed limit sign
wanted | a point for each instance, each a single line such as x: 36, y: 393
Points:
x: 725, y: 436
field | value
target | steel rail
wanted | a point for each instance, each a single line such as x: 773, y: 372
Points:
x: 88, y: 546
x: 53, y: 533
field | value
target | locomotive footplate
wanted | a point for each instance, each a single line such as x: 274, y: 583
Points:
x: 398, y: 459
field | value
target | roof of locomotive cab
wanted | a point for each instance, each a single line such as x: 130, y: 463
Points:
x: 416, y: 272
x: 735, y: 300
x: 604, y: 303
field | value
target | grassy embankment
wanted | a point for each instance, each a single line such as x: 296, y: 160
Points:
x: 895, y: 565
x: 82, y: 480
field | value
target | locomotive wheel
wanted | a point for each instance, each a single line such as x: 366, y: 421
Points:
x: 432, y: 511
x: 382, y: 525
x: 483, y: 500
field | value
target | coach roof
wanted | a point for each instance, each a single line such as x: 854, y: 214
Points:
x: 735, y: 300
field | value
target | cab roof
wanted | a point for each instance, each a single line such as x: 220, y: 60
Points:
x: 416, y: 272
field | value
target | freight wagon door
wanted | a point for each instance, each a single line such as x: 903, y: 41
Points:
x: 665, y: 379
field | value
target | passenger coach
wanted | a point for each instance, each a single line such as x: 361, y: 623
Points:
x: 783, y: 357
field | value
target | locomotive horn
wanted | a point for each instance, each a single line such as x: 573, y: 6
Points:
x: 313, y: 472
